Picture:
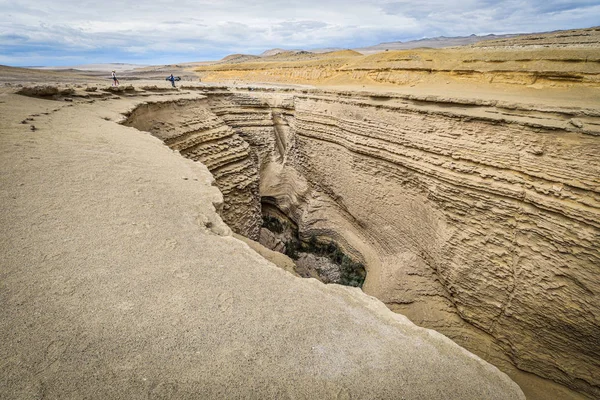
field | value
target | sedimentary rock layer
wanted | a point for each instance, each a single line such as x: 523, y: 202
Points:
x: 496, y: 219
x: 477, y: 218
x: 568, y: 38
x: 201, y: 135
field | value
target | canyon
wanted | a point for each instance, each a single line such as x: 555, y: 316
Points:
x: 478, y: 219
x: 119, y: 279
x: 465, y: 181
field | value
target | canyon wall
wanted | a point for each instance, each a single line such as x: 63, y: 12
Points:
x: 480, y: 219
x: 189, y: 127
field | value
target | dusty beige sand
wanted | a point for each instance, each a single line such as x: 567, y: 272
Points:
x: 118, y: 280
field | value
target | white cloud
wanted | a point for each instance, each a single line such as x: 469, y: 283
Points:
x: 45, y: 31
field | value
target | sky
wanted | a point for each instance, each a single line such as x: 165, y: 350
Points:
x: 75, y: 32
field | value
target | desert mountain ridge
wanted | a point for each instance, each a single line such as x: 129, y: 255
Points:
x: 433, y: 42
x: 436, y: 42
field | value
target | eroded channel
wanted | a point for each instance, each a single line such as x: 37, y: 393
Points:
x: 451, y: 216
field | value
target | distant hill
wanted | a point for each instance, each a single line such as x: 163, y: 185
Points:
x: 435, y: 43
x: 237, y: 58
x: 280, y: 54
x: 325, y: 50
x: 343, y: 53
x: 273, y: 52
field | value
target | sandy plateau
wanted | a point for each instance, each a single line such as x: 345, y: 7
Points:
x: 136, y: 259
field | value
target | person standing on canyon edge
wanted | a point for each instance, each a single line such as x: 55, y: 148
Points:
x: 172, y: 79
x: 114, y: 78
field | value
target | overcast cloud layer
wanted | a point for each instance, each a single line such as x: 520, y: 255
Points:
x: 71, y: 32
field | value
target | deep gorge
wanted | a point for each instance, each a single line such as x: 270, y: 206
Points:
x: 479, y: 219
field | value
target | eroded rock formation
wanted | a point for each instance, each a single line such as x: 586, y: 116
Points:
x: 191, y: 128
x: 480, y: 219
x: 120, y: 281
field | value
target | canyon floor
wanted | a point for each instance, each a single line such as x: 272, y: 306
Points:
x: 119, y: 278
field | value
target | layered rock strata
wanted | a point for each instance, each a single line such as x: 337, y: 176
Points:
x: 191, y: 128
x: 480, y: 219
